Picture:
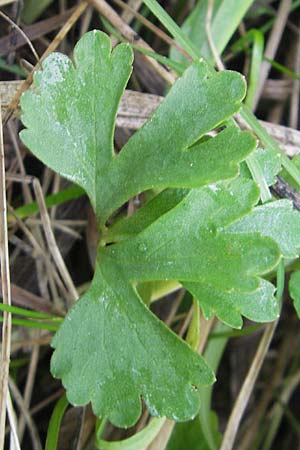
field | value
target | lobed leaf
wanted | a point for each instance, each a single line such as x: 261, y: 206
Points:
x: 131, y: 354
x: 259, y: 305
x: 70, y: 116
x: 70, y: 119
x: 111, y: 350
x: 190, y: 243
x: 207, y: 234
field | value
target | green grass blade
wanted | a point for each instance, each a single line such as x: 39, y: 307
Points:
x: 258, y: 176
x: 27, y: 313
x: 257, y: 38
x: 12, y: 68
x: 226, y: 17
x: 280, y: 280
x: 33, y: 9
x: 172, y: 27
x: 268, y: 141
x: 55, y: 422
x: 282, y: 69
x: 235, y: 333
x: 212, y: 355
x: 70, y: 193
x: 33, y: 324
x: 226, y: 21
x: 256, y: 60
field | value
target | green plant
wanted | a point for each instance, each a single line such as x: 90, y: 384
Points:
x: 203, y: 229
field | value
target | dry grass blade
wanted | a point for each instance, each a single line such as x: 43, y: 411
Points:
x: 40, y: 251
x: 247, y: 388
x: 6, y: 294
x: 53, y: 46
x: 110, y: 14
x: 279, y: 409
x: 133, y: 4
x: 12, y: 421
x: 34, y: 359
x: 36, y: 443
x: 13, y: 24
x: 6, y: 2
x: 33, y: 32
x: 287, y: 349
x: 210, y: 40
x: 51, y: 240
x: 163, y: 436
x: 272, y: 46
x: 157, y: 31
x: 295, y: 97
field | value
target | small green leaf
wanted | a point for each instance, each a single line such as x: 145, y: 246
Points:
x: 277, y: 220
x: 269, y: 162
x: 294, y: 288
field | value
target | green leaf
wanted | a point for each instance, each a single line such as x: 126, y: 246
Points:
x: 111, y: 350
x: 269, y: 162
x: 226, y: 17
x: 147, y: 214
x: 294, y: 288
x: 70, y: 117
x: 168, y: 150
x: 277, y: 220
x: 287, y: 177
x: 70, y: 120
x: 55, y: 423
x: 188, y: 243
x: 194, y: 28
x: 259, y: 305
